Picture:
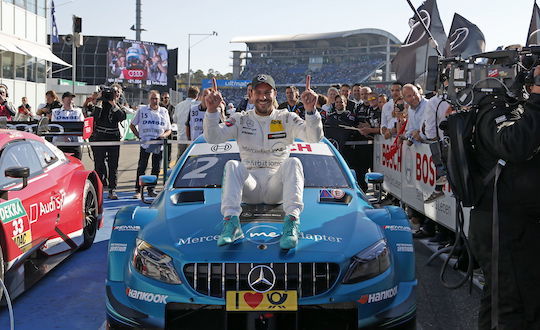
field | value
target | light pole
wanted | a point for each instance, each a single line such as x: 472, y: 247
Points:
x: 208, y: 35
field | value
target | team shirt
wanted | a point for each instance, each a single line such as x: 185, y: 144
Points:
x: 151, y: 123
x: 62, y: 114
x: 195, y: 120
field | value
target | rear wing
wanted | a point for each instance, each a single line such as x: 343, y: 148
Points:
x: 44, y: 127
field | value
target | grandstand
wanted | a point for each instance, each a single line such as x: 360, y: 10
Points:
x: 357, y: 56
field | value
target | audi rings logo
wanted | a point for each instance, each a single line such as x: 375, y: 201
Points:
x: 221, y: 147
x: 136, y: 73
x: 417, y: 31
x: 261, y: 278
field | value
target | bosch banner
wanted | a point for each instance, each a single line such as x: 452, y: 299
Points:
x: 410, y: 176
x: 137, y: 62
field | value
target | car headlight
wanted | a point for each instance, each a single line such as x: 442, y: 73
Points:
x: 369, y: 263
x: 153, y: 263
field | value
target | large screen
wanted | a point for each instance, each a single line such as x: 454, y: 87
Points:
x: 137, y: 62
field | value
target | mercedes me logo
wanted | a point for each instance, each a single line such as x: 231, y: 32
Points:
x: 261, y: 278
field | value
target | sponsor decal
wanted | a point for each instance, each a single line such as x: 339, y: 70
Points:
x: 397, y: 228
x: 118, y: 247
x: 263, y: 234
x: 301, y: 147
x: 261, y: 278
x: 230, y: 122
x: 337, y: 193
x: 147, y: 296
x: 127, y: 228
x: 11, y: 210
x: 378, y: 296
x: 247, y: 132
x: 404, y: 247
x: 249, y: 123
x: 221, y: 147
x: 493, y: 73
x: 276, y: 126
x: 39, y: 209
x: 273, y: 136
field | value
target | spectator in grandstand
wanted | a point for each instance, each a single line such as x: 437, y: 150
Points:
x: 181, y: 113
x: 417, y: 105
x: 246, y: 104
x: 67, y: 112
x: 51, y: 102
x: 345, y: 90
x: 331, y: 97
x: 293, y: 103
x: 151, y: 122
x: 24, y: 112
x: 388, y: 121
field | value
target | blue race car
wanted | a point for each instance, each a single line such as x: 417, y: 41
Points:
x: 353, y: 267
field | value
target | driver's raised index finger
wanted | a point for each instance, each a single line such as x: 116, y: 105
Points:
x: 214, y: 85
x: 308, y: 82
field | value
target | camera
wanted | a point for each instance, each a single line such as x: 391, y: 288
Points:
x: 107, y: 94
x: 464, y: 82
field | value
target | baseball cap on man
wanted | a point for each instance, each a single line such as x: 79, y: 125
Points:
x: 263, y: 79
x: 68, y: 94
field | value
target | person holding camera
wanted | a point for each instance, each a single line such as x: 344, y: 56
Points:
x: 6, y: 108
x: 508, y: 135
x: 151, y: 122
x: 107, y: 114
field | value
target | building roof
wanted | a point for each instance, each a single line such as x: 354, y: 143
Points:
x: 314, y: 36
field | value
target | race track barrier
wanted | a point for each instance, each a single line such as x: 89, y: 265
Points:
x: 410, y: 177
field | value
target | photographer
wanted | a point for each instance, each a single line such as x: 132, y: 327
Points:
x: 107, y: 114
x: 6, y: 108
x: 512, y: 134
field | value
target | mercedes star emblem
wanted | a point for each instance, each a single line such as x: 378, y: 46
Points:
x: 261, y: 278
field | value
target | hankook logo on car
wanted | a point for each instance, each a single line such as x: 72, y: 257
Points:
x: 378, y: 296
x: 147, y: 296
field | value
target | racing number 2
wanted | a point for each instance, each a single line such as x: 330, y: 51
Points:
x: 199, y: 172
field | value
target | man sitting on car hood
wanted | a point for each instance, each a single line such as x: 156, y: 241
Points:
x: 266, y: 173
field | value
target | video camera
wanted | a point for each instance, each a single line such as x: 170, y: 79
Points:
x: 502, y: 72
x: 107, y: 93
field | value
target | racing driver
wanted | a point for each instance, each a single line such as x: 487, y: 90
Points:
x: 266, y: 173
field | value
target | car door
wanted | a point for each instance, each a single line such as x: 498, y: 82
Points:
x: 27, y: 215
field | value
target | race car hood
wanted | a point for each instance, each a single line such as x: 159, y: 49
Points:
x: 329, y: 232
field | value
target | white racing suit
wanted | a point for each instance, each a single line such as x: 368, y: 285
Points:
x: 266, y: 174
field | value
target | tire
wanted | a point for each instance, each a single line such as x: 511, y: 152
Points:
x: 90, y: 222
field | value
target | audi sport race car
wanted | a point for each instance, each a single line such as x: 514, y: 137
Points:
x: 353, y: 266
x: 50, y: 206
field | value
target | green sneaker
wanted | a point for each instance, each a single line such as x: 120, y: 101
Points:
x: 231, y: 231
x: 289, y: 238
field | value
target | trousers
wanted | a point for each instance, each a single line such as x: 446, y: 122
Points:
x: 106, y: 164
x: 519, y: 270
x: 144, y: 156
x: 263, y: 185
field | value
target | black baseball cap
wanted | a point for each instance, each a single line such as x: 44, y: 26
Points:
x: 263, y: 79
x: 68, y: 94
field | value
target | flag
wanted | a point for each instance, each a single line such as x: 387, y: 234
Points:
x: 410, y: 61
x: 465, y: 39
x: 54, y: 28
x: 533, y: 37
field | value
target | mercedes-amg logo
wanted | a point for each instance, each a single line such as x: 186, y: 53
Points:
x: 261, y: 77
x: 534, y: 37
x: 417, y: 31
x: 261, y: 278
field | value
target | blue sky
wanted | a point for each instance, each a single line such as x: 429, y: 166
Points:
x: 167, y: 21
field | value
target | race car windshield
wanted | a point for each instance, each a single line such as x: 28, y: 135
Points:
x: 206, y: 171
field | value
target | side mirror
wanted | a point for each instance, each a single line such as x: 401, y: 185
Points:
x: 16, y: 173
x: 376, y: 179
x: 147, y: 181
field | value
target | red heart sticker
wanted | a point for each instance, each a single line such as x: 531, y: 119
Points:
x: 253, y: 299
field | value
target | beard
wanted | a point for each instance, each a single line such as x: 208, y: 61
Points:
x: 264, y: 108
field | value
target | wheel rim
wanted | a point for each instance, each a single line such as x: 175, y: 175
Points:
x: 90, y: 219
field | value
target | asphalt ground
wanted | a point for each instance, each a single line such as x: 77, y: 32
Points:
x: 72, y: 296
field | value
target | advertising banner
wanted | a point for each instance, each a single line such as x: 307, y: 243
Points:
x: 224, y: 83
x: 137, y: 62
x: 410, y: 176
